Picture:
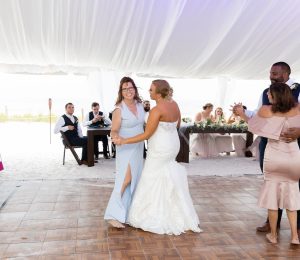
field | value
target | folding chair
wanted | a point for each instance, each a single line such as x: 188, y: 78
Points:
x: 72, y: 148
x: 107, y: 152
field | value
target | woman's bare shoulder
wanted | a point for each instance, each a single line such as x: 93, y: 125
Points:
x: 155, y: 110
x: 198, y: 116
x: 265, y: 111
x: 117, y: 110
x: 118, y: 105
x: 295, y: 111
x: 155, y: 113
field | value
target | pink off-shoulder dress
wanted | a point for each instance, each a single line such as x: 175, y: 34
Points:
x: 281, y: 163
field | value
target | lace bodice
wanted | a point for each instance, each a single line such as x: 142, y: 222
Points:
x: 164, y: 143
x: 167, y: 126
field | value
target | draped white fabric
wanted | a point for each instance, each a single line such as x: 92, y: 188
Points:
x: 169, y: 38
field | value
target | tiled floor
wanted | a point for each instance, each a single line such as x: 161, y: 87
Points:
x: 64, y: 220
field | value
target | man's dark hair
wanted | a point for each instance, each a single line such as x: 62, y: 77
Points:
x: 94, y: 104
x: 68, y: 104
x: 286, y: 67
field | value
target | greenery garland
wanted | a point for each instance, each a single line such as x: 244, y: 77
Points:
x: 209, y: 124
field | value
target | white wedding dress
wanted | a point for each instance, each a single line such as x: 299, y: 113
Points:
x: 162, y: 203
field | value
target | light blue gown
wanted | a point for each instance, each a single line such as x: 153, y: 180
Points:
x: 129, y: 154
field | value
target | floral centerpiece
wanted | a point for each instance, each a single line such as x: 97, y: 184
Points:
x: 221, y: 125
x: 186, y: 120
x: 220, y: 120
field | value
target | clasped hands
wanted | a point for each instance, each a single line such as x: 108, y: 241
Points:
x: 117, y: 140
x: 97, y: 118
x: 237, y: 109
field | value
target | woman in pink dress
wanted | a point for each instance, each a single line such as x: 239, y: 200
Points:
x: 281, y: 160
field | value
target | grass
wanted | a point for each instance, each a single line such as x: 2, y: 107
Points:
x: 27, y: 118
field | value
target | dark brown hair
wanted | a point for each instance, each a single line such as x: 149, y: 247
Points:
x: 127, y: 80
x: 95, y: 104
x: 207, y: 105
x: 68, y: 104
x: 162, y: 87
x: 283, y: 100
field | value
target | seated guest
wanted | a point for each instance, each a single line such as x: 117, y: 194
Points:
x: 96, y: 118
x: 204, y: 145
x: 239, y: 140
x: 223, y: 141
x: 113, y: 146
x: 235, y: 119
x: 219, y: 117
x: 68, y: 123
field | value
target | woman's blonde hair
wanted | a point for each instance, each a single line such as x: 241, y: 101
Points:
x: 219, y: 108
x: 162, y: 87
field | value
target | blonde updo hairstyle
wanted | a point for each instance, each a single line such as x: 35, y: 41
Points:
x: 162, y: 87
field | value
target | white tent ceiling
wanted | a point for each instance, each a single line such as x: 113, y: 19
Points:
x: 183, y: 38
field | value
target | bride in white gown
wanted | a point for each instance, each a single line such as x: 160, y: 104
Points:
x: 162, y: 203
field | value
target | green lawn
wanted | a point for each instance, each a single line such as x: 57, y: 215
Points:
x: 27, y: 118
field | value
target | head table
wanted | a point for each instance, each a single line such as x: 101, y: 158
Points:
x: 185, y: 131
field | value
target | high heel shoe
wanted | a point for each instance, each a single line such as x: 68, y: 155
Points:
x: 271, y: 239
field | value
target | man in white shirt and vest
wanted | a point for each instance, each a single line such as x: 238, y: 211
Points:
x: 96, y: 118
x: 68, y: 123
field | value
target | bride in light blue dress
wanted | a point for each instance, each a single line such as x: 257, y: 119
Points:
x: 162, y: 203
x: 127, y: 121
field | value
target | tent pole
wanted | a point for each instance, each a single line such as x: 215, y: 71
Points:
x: 50, y: 106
